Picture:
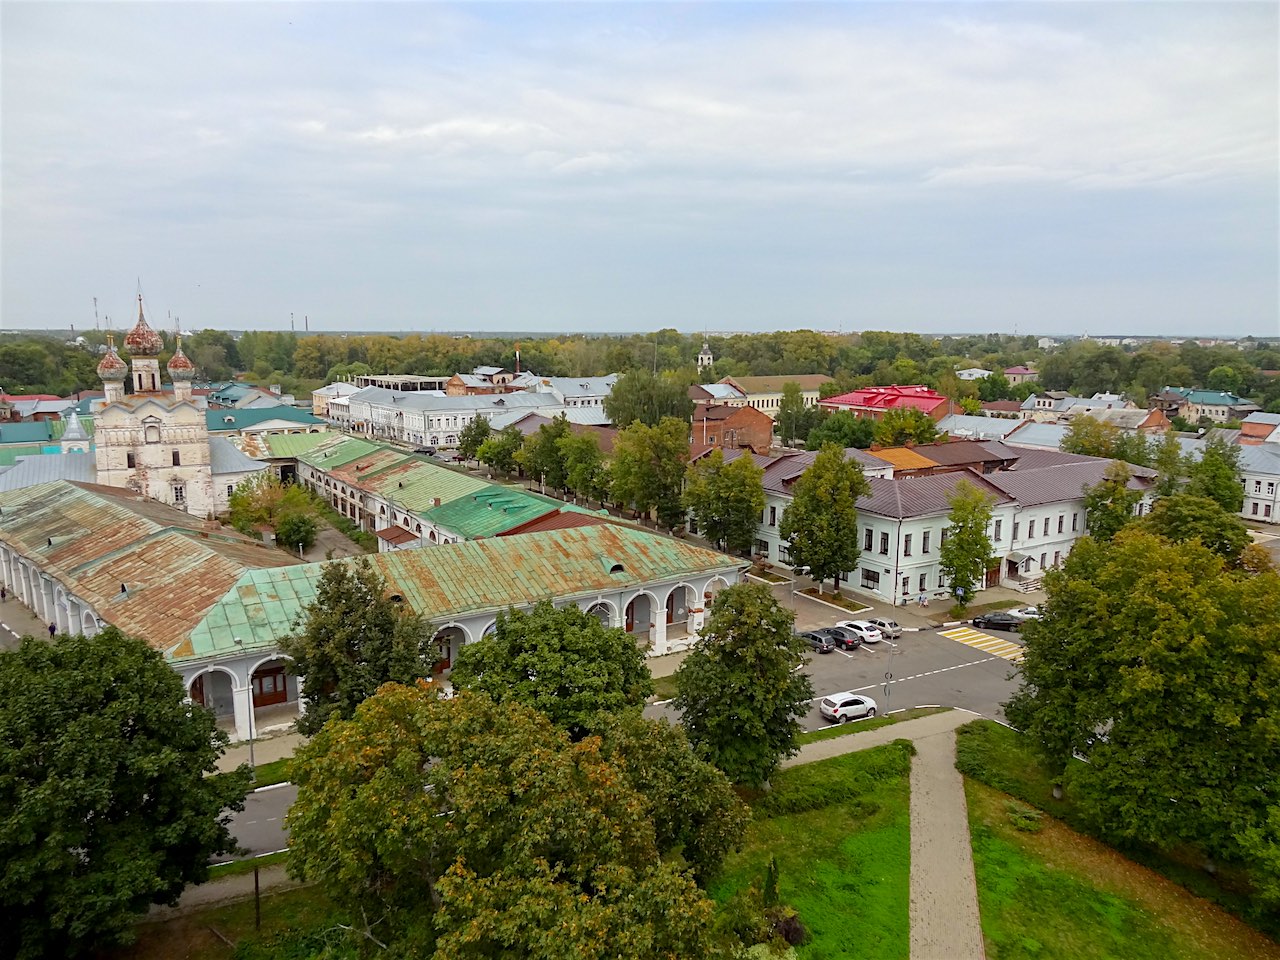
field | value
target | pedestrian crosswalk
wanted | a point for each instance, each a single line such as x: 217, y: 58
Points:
x: 984, y: 642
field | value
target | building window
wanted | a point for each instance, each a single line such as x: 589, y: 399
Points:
x: 924, y: 580
x: 871, y: 579
x: 1254, y: 511
x: 866, y: 540
x: 924, y: 541
x: 1062, y: 519
x: 999, y: 531
x: 784, y: 553
x: 1057, y: 558
x: 230, y: 489
x: 1046, y: 527
x: 151, y: 434
x: 177, y: 458
x: 130, y: 460
x: 1026, y: 565
x: 1043, y: 558
x: 1257, y: 486
x: 884, y: 544
x: 762, y: 548
x: 179, y: 493
x: 1271, y: 488
x: 942, y: 537
x: 1075, y: 523
x: 1266, y: 511
x: 906, y: 585
x: 906, y: 545
x: 1016, y: 524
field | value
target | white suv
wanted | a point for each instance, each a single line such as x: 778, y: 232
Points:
x: 863, y: 628
x: 843, y: 707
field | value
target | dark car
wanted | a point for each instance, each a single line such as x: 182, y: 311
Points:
x: 819, y: 643
x: 841, y: 636
x: 997, y: 620
x: 429, y: 451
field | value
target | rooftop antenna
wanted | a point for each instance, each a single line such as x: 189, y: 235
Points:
x: 306, y: 324
x: 291, y: 321
x: 96, y: 324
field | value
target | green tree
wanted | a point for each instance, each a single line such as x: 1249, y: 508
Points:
x: 473, y: 437
x: 821, y: 522
x: 561, y: 661
x: 105, y: 806
x: 493, y: 816
x: 1216, y: 474
x: 994, y: 386
x: 648, y: 468
x: 297, y: 531
x: 262, y: 500
x: 790, y: 412
x: 1182, y: 517
x: 353, y: 638
x: 500, y: 451
x: 965, y: 552
x: 542, y: 456
x: 1170, y: 465
x: 1109, y: 504
x: 844, y: 429
x: 641, y: 395
x: 1157, y: 663
x: 584, y: 465
x: 726, y: 500
x: 1224, y: 378
x: 740, y: 690
x: 1091, y: 437
x: 907, y: 425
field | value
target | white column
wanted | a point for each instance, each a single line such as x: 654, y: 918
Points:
x: 302, y: 704
x: 46, y: 599
x: 62, y: 615
x: 658, y: 632
x: 242, y: 701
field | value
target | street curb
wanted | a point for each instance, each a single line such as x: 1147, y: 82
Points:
x: 271, y: 786
x: 845, y: 610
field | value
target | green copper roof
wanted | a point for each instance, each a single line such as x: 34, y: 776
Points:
x: 342, y: 450
x: 488, y: 512
x: 294, y: 444
x: 10, y: 452
x: 414, y: 484
x: 33, y: 431
x: 240, y: 419
x: 446, y: 582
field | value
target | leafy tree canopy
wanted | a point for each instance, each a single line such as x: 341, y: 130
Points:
x: 649, y: 398
x: 501, y: 450
x: 542, y: 457
x: 1158, y: 663
x: 965, y: 552
x: 105, y: 806
x: 821, y: 522
x: 740, y: 691
x: 473, y: 437
x: 584, y: 465
x: 262, y: 500
x: 1109, y: 504
x: 791, y: 410
x: 844, y: 430
x: 562, y: 662
x: 1184, y: 517
x: 526, y: 843
x: 648, y: 468
x: 353, y: 638
x: 1216, y: 474
x: 726, y: 500
x: 907, y: 425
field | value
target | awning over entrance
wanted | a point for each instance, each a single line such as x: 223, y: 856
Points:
x: 396, y: 535
x: 1014, y: 557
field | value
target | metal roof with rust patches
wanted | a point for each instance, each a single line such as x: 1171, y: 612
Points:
x: 487, y: 513
x: 415, y: 484
x: 354, y: 472
x: 93, y: 539
x: 338, y: 450
x: 458, y: 579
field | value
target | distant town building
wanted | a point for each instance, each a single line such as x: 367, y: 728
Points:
x: 1020, y: 374
x: 973, y: 373
x: 731, y: 428
x: 705, y: 359
x: 874, y: 402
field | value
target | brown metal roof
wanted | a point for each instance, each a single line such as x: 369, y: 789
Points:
x: 953, y: 453
x: 922, y: 496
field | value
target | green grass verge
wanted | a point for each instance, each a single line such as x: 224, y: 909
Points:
x: 664, y: 688
x: 276, y: 771
x: 853, y: 606
x: 768, y: 576
x: 246, y: 866
x: 862, y: 726
x: 1033, y: 909
x: 840, y: 830
x: 1004, y: 759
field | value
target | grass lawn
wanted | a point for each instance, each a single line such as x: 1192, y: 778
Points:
x: 1002, y: 758
x: 840, y: 829
x: 1054, y: 893
x: 294, y: 924
x: 246, y: 866
x: 664, y: 688
x: 768, y: 576
x: 277, y: 771
x: 862, y: 726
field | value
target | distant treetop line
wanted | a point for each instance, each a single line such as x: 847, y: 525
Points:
x: 31, y: 363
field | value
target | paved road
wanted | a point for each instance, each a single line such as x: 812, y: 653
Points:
x: 259, y: 828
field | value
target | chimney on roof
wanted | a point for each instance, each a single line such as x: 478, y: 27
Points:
x: 435, y: 501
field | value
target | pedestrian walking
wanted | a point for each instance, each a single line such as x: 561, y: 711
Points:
x: 53, y: 629
x: 4, y: 595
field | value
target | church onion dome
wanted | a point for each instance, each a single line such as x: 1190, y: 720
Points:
x: 142, y: 341
x: 112, y: 367
x: 180, y: 367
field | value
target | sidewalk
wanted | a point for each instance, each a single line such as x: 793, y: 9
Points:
x: 16, y: 621
x: 264, y: 750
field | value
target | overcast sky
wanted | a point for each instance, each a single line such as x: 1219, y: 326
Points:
x: 1100, y: 167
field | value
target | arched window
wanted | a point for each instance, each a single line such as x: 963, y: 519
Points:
x: 152, y: 433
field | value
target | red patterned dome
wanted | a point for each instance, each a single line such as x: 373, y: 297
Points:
x: 180, y: 367
x: 112, y: 367
x: 142, y: 341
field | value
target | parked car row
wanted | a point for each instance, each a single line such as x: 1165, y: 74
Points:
x: 1006, y: 619
x: 851, y: 634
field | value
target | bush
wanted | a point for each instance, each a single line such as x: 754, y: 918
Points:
x: 296, y: 531
x: 1024, y: 818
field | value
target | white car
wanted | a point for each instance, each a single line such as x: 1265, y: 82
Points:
x: 863, y: 628
x: 1025, y: 613
x: 843, y: 707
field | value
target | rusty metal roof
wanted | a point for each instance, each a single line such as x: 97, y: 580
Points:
x: 93, y: 539
x: 454, y: 580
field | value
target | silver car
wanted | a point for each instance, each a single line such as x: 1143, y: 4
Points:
x: 887, y: 627
x: 843, y: 707
x: 863, y: 628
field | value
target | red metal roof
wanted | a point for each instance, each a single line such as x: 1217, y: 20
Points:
x: 888, y: 398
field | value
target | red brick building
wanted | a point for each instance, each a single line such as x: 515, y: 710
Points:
x: 731, y: 428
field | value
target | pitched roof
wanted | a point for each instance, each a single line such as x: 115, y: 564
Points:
x: 904, y: 458
x: 952, y: 453
x: 37, y: 431
x: 1218, y: 397
x: 1272, y: 419
x: 225, y: 420
x: 174, y: 566
x: 915, y: 396
x: 453, y: 580
x: 31, y: 471
x: 774, y: 384
x: 781, y: 472
x: 1033, y: 434
x: 1066, y: 481
x: 1002, y: 406
x: 224, y: 458
x: 905, y: 497
x: 982, y: 428
x: 415, y: 483
x: 489, y: 512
